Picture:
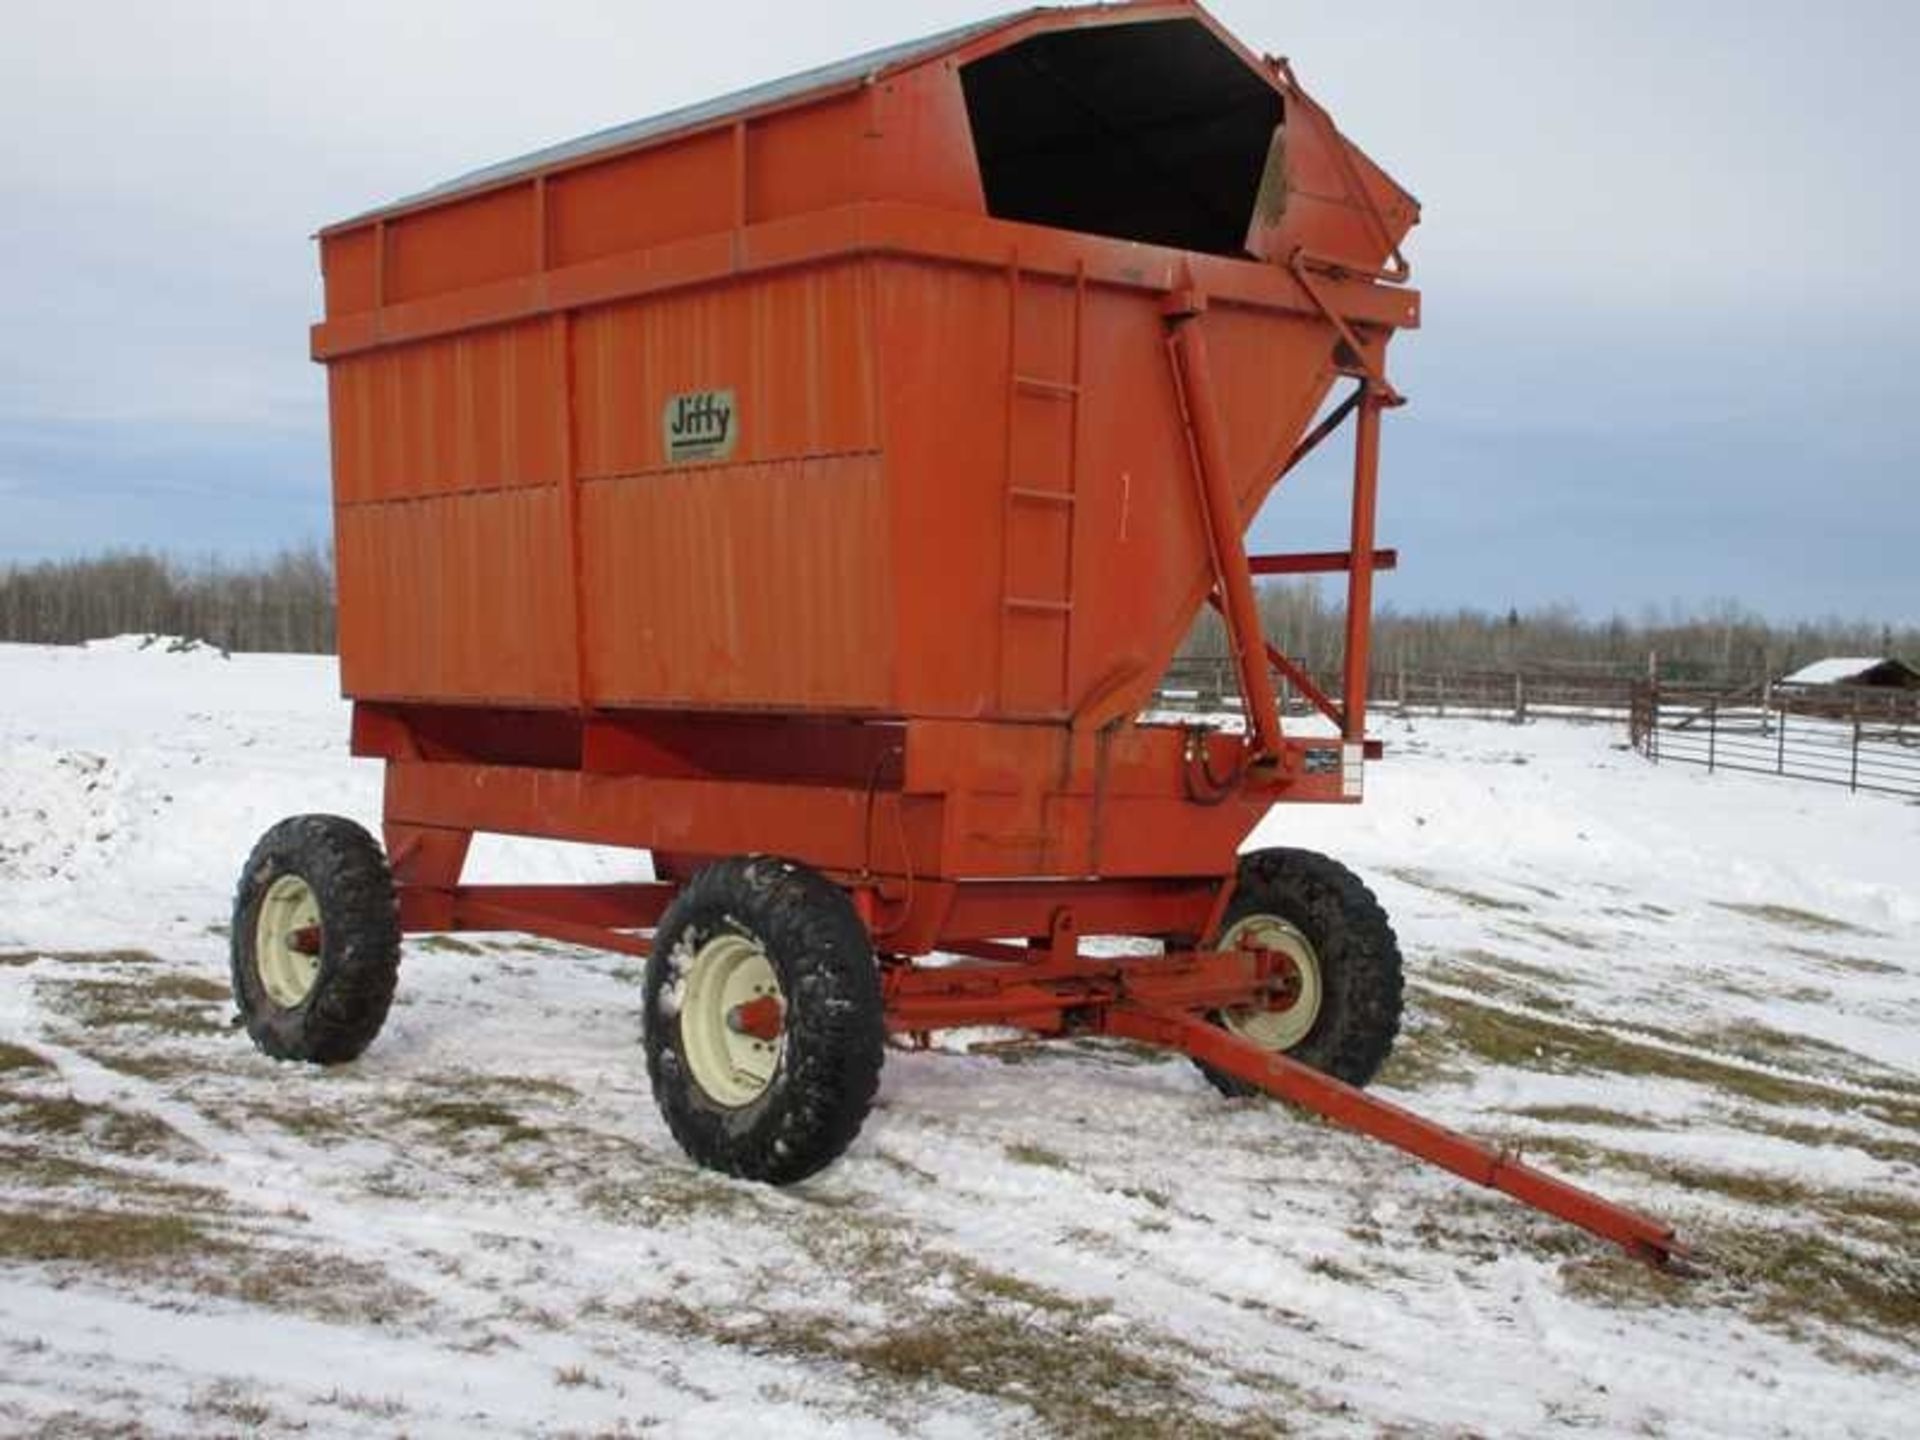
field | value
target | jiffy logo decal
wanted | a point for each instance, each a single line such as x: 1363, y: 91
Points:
x: 699, y: 425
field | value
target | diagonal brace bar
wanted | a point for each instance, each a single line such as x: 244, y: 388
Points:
x: 1221, y: 512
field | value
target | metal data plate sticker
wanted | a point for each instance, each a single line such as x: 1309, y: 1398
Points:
x: 699, y: 425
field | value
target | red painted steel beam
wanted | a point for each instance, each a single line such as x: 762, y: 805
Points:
x: 987, y: 910
x: 1640, y: 1235
x: 1220, y: 512
x: 1039, y: 994
x: 470, y: 913
x: 611, y: 907
x: 1317, y: 562
x: 838, y: 828
x: 876, y: 228
x: 1366, y: 478
x: 1302, y: 681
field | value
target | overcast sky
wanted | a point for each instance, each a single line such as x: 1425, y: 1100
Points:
x: 1669, y: 352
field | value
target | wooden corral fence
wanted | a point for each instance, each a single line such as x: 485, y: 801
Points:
x: 1206, y: 684
x: 1863, y: 738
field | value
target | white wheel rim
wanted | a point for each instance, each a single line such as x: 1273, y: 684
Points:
x: 1276, y: 1029
x: 287, y: 970
x: 733, y: 1067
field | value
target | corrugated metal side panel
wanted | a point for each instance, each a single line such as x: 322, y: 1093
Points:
x: 477, y: 411
x: 792, y: 347
x: 746, y: 585
x: 457, y: 597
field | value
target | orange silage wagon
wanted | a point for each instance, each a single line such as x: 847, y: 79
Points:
x: 810, y: 488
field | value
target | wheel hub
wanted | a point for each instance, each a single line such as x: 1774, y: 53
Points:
x: 731, y: 1013
x: 286, y: 941
x: 1289, y: 1017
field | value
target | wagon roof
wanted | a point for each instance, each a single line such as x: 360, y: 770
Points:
x: 767, y: 95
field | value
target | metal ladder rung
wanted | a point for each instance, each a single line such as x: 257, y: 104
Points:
x: 1042, y: 497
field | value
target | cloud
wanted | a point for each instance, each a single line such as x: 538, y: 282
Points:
x: 1664, y: 252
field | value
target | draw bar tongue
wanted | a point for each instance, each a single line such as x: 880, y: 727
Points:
x: 1639, y: 1235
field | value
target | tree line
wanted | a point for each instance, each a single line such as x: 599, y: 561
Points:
x: 285, y: 603
x: 281, y: 604
x: 1723, y: 643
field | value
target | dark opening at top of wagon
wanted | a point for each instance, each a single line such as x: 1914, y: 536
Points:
x: 1141, y: 123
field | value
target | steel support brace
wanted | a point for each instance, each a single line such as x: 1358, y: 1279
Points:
x: 1366, y: 478
x: 1640, y: 1235
x: 1059, y: 991
x: 599, y: 917
x: 1221, y: 512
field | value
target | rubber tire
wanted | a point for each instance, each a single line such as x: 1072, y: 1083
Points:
x: 1360, y: 966
x: 359, y: 940
x: 835, y: 1028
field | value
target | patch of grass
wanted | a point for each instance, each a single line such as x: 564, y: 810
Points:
x: 1525, y: 970
x: 654, y: 1196
x: 101, y: 1127
x: 1421, y: 1060
x: 1536, y: 1042
x: 1789, y: 1280
x: 1474, y: 899
x: 1750, y: 1040
x: 1011, y: 1353
x: 1471, y: 971
x: 380, y: 1407
x: 1574, y: 939
x: 227, y: 1265
x: 457, y: 1119
x: 906, y: 1167
x: 1846, y: 964
x: 1823, y: 1137
x: 1028, y: 1153
x: 1795, y: 1276
x: 175, y: 1003
x: 82, y: 957
x: 45, y: 1171
x: 18, y: 1057
x: 572, y: 1377
x: 104, y: 1238
x: 1583, y: 1115
x: 1856, y: 1271
x: 958, y: 1324
x: 196, y: 988
x: 226, y: 1400
x: 1333, y: 1270
x: 1792, y: 918
x: 445, y: 945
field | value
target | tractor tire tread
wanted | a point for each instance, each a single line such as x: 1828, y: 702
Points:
x: 360, y: 940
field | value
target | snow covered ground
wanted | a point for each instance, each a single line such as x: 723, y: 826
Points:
x: 1699, y: 993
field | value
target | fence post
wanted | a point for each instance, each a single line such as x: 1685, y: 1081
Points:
x: 1713, y: 728
x: 1853, y: 773
x: 1519, y: 699
x: 1780, y: 753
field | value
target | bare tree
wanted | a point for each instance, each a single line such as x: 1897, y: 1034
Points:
x: 282, y: 604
